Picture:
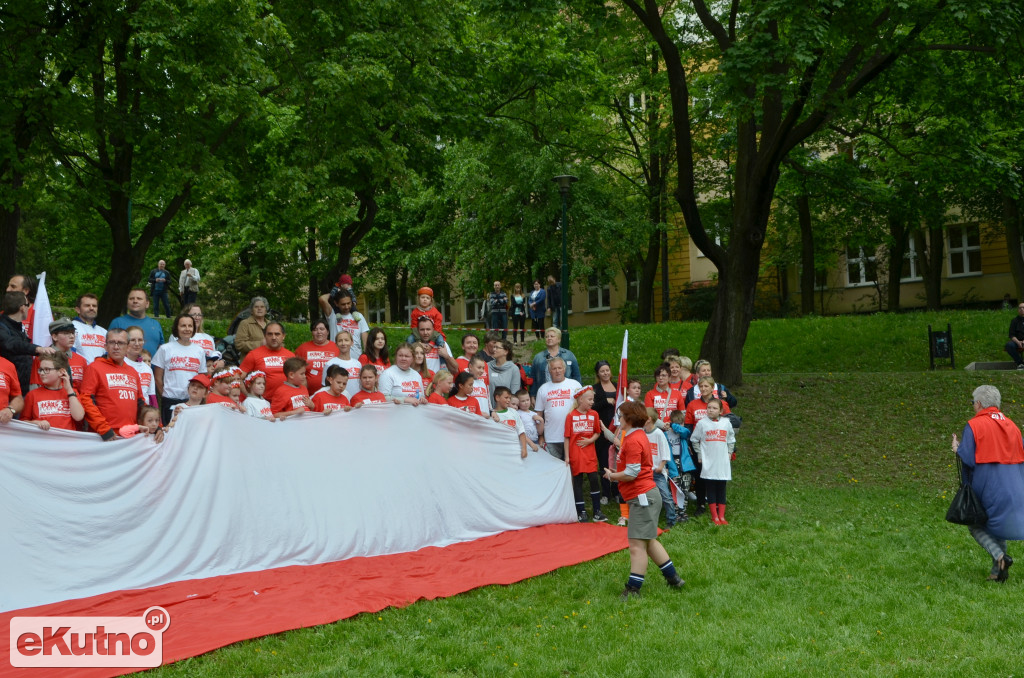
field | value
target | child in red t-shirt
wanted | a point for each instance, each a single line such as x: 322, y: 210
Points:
x: 332, y: 398
x: 220, y: 391
x: 425, y: 301
x: 54, y: 404
x: 440, y: 387
x: 461, y: 397
x: 582, y: 429
x: 291, y: 398
x: 368, y: 392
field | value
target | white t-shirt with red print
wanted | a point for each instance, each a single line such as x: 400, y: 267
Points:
x: 554, y: 402
x: 180, y: 364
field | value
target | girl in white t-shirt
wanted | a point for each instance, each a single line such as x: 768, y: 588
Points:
x: 714, y: 441
x: 400, y: 383
x: 255, y: 404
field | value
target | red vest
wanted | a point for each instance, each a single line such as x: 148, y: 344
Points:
x: 997, y: 440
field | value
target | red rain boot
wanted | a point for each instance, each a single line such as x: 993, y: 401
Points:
x: 721, y: 515
x: 713, y: 510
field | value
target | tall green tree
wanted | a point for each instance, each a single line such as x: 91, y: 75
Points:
x: 784, y: 70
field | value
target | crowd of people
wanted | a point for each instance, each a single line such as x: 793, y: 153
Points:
x: 128, y: 380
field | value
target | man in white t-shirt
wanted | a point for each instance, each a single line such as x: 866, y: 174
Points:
x: 344, y: 318
x: 555, y: 402
x: 438, y: 348
x: 90, y: 338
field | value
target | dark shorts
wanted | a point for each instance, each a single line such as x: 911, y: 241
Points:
x: 643, y: 520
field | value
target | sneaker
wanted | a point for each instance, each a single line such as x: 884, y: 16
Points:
x: 691, y: 496
x: 600, y: 517
x: 681, y: 518
x: 582, y: 517
x: 622, y: 521
x: 604, y: 501
x: 1021, y: 366
x: 629, y: 592
x: 676, y: 582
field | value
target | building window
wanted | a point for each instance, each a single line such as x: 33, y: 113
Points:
x: 598, y: 295
x: 376, y: 308
x: 911, y: 265
x: 718, y: 241
x: 633, y: 289
x: 474, y: 310
x: 860, y: 267
x: 964, y: 250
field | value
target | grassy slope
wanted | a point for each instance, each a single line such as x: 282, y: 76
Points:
x: 837, y: 558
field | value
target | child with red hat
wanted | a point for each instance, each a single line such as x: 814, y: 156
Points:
x: 425, y: 299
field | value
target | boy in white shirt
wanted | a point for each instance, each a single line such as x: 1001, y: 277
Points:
x: 503, y: 414
x: 477, y: 365
x: 660, y: 454
x: 533, y: 423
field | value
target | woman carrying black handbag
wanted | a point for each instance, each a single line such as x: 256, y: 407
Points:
x: 992, y: 454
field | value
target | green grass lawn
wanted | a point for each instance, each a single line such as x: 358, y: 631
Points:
x: 837, y: 561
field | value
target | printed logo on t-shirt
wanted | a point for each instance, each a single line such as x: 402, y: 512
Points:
x: 582, y: 425
x: 203, y: 343
x: 183, y: 363
x: 333, y: 407
x: 558, y: 397
x: 297, y: 402
x: 273, y: 361
x: 509, y: 422
x: 3, y: 382
x: 92, y: 340
x: 412, y: 387
x: 117, y: 380
x: 715, y: 435
x: 54, y: 408
x: 318, y: 355
x: 77, y: 373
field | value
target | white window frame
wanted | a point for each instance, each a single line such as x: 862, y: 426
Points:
x: 861, y: 262
x: 912, y: 256
x: 633, y: 289
x: 963, y: 251
x: 477, y: 314
x: 376, y: 315
x: 604, y: 294
x: 718, y: 241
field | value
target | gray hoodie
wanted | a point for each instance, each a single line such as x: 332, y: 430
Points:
x: 506, y: 375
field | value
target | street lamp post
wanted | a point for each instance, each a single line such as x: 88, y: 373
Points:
x: 565, y: 182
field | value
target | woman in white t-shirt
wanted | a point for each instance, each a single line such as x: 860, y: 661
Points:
x: 343, y: 340
x: 175, y: 363
x: 400, y: 383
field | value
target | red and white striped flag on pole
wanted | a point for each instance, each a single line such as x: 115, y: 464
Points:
x: 623, y: 377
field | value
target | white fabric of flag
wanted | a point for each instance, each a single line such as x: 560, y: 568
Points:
x: 43, y: 315
x: 225, y: 493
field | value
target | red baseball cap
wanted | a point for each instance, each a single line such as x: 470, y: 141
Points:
x: 202, y: 380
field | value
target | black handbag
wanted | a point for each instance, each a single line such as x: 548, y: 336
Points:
x: 966, y: 508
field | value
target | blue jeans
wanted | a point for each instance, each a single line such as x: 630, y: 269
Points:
x: 499, y: 321
x: 666, y: 499
x: 158, y: 296
x: 1011, y: 348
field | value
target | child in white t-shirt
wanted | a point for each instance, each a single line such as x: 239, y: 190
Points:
x: 714, y: 441
x: 255, y: 404
x: 477, y: 366
x: 504, y: 414
x: 533, y: 423
x: 660, y: 455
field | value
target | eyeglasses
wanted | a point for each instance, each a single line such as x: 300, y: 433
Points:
x: 111, y: 342
x: 45, y: 370
x: 195, y: 315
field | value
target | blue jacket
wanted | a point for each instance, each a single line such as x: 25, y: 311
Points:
x: 151, y: 328
x: 1000, y: 488
x: 537, y: 313
x: 540, y: 368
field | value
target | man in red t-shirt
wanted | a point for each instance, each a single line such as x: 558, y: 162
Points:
x: 269, y: 358
x: 11, y: 401
x: 111, y: 389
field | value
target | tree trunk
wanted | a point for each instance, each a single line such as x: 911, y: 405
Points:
x: 10, y: 222
x: 734, y: 310
x: 648, y: 270
x: 1012, y: 223
x: 932, y: 264
x: 897, y: 250
x: 353, y: 233
x: 664, y: 275
x: 808, y: 273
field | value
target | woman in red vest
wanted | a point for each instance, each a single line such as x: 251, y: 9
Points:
x: 993, y: 457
